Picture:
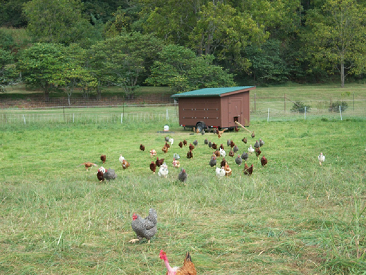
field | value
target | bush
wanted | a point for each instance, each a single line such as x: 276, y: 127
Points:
x: 299, y: 107
x: 334, y: 107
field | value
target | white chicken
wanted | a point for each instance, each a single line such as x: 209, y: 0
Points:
x: 152, y: 153
x: 163, y: 170
x: 121, y: 158
x: 220, y: 172
x: 321, y: 158
x: 171, y: 140
x: 176, y: 163
x: 222, y: 153
x: 250, y: 149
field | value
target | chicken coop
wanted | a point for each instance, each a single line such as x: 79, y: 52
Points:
x: 214, y: 107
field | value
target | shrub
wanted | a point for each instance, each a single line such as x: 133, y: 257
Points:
x: 299, y: 107
x: 334, y: 107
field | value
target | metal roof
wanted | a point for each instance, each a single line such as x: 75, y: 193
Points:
x: 212, y: 92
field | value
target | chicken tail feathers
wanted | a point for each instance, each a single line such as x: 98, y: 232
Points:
x: 188, y: 257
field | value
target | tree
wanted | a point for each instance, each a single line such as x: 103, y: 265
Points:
x: 56, y: 21
x: 123, y: 60
x: 180, y: 69
x: 39, y: 64
x: 335, y: 37
x: 8, y: 74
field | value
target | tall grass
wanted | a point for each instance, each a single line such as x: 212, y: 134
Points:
x: 291, y: 217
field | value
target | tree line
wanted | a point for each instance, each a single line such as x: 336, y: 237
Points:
x: 186, y: 44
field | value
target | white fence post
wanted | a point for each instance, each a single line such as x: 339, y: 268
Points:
x: 268, y: 115
x: 24, y: 119
x: 340, y: 111
x: 167, y: 114
x: 121, y: 118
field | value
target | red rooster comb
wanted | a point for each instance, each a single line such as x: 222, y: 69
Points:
x: 162, y: 255
x: 134, y: 216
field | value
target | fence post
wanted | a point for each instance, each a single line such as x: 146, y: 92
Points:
x: 167, y: 114
x: 305, y: 113
x: 268, y: 115
x: 340, y: 111
x: 121, y: 118
x: 24, y: 119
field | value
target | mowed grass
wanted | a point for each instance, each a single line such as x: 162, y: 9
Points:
x: 291, y: 217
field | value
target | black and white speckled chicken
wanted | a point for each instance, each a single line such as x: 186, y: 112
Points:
x: 182, y: 176
x: 109, y: 174
x: 213, y: 161
x: 145, y: 228
x: 245, y: 156
x: 238, y: 160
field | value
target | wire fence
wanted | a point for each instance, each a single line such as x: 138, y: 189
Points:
x: 261, y: 108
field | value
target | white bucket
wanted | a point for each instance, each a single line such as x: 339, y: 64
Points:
x: 166, y: 128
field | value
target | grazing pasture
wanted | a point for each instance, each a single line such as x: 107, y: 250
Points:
x: 292, y: 216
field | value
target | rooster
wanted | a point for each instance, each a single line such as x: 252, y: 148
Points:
x: 187, y: 268
x: 176, y: 163
x: 142, y: 147
x: 88, y: 165
x: 248, y: 170
x: 125, y: 164
x: 103, y: 158
x: 159, y: 162
x: 163, y: 170
x: 152, y: 153
x: 144, y: 228
x: 264, y: 161
x: 321, y: 158
x: 182, y: 176
x: 153, y: 167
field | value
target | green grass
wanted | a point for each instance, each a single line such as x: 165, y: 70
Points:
x: 291, y: 217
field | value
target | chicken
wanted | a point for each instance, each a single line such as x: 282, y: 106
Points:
x: 252, y: 135
x: 167, y: 145
x: 250, y: 149
x: 223, y: 162
x: 195, y: 142
x: 232, y: 144
x: 213, y: 161
x: 236, y: 129
x: 152, y: 153
x: 244, y: 140
x: 214, y: 146
x: 227, y: 170
x: 176, y: 156
x: 257, y: 152
x: 109, y: 174
x: 103, y: 158
x: 163, y: 170
x: 153, y: 167
x: 142, y: 147
x: 261, y: 142
x: 205, y: 141
x: 191, y: 146
x: 236, y: 149
x: 187, y: 268
x: 125, y: 164
x: 245, y: 156
x: 219, y: 133
x: 121, y: 158
x: 231, y: 153
x: 100, y: 175
x: 222, y: 146
x: 248, y: 170
x: 220, y: 172
x: 182, y: 176
x: 88, y: 165
x: 256, y: 144
x: 210, y: 144
x: 165, y: 149
x: 238, y: 160
x: 159, y: 162
x: 222, y: 153
x: 190, y: 154
x: 180, y: 144
x: 203, y: 132
x: 217, y: 153
x: 264, y: 161
x: 321, y: 158
x: 144, y: 228
x: 228, y: 142
x: 176, y: 163
x: 171, y: 140
x: 166, y: 139
x: 184, y: 142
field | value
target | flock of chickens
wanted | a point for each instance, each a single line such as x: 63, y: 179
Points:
x: 147, y: 227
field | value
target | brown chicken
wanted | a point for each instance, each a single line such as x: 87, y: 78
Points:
x: 88, y: 165
x: 217, y: 153
x: 153, y: 167
x: 252, y: 135
x: 167, y: 145
x: 219, y: 133
x: 222, y: 146
x: 231, y: 153
x: 184, y: 142
x: 263, y: 161
x: 248, y: 170
x: 180, y: 144
x: 214, y: 146
x: 245, y: 140
x: 142, y: 147
x: 165, y: 149
x: 223, y: 162
x: 187, y: 268
x: 232, y: 144
x: 190, y: 154
x: 103, y: 158
x: 152, y: 153
x: 159, y: 162
x: 227, y: 169
x: 257, y: 152
x: 100, y: 175
x: 191, y: 146
x: 125, y: 164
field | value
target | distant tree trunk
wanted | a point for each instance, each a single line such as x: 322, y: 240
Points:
x: 342, y: 74
x: 46, y: 89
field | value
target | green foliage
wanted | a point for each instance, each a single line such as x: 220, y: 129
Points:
x: 8, y: 73
x: 11, y: 13
x: 180, y: 69
x: 299, y: 107
x: 334, y: 107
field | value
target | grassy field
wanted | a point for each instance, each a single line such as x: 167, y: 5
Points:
x: 291, y: 217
